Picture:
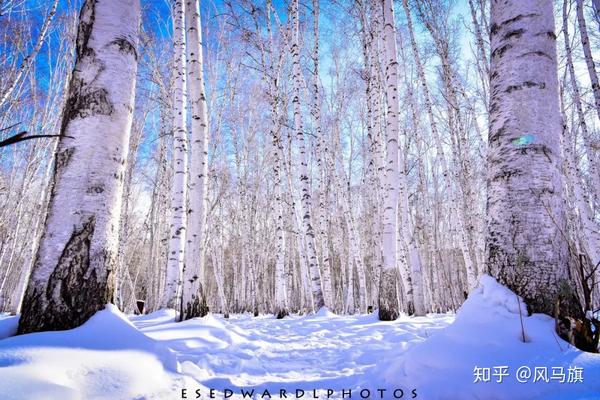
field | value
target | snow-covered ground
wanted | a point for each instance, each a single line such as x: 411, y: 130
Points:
x: 114, y: 356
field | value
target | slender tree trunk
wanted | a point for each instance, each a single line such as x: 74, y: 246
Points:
x: 587, y: 52
x: 322, y: 153
x: 193, y: 302
x: 596, y: 6
x: 388, y: 297
x: 455, y: 209
x: 593, y: 162
x: 27, y: 61
x: 306, y: 198
x: 73, y: 276
x: 172, y: 294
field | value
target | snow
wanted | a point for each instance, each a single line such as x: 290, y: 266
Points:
x: 8, y: 325
x: 114, y: 356
x: 487, y: 333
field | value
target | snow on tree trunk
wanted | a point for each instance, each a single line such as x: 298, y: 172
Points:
x: 73, y: 275
x: 193, y: 303
x: 305, y: 198
x: 525, y: 248
x: 172, y: 294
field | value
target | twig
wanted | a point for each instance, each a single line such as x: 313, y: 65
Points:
x: 20, y: 137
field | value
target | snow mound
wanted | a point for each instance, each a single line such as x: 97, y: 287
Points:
x: 8, y: 325
x: 487, y: 334
x: 325, y: 312
x: 106, y: 358
x: 154, y: 318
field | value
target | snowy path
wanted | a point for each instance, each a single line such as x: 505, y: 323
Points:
x: 314, y: 352
x: 150, y: 357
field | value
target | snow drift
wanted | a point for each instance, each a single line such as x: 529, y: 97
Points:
x: 486, y: 334
x: 114, y: 357
x: 106, y: 358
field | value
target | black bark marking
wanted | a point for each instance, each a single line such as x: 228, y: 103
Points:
x: 87, y: 17
x: 525, y: 85
x: 388, y: 296
x: 497, y: 134
x: 85, y: 100
x: 537, y: 53
x: 125, y: 46
x: 517, y: 33
x: 506, y: 174
x: 62, y: 158
x: 499, y: 52
x: 96, y: 189
x: 549, y: 34
x: 519, y: 17
x: 197, y: 307
x: 74, y: 291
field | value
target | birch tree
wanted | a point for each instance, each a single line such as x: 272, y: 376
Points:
x: 306, y: 198
x: 193, y: 301
x: 587, y: 52
x: 322, y: 154
x: 172, y: 293
x: 388, y: 296
x: 525, y: 245
x: 29, y: 59
x: 73, y: 275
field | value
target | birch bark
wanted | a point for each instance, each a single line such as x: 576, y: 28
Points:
x: 193, y: 300
x: 73, y: 276
x: 388, y: 297
x: 587, y: 52
x: 27, y: 61
x: 525, y: 248
x: 322, y: 153
x: 172, y: 292
x: 305, y: 198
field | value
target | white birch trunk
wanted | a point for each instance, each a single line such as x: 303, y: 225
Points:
x: 525, y: 248
x: 305, y: 198
x: 454, y: 209
x: 388, y: 297
x: 587, y: 52
x: 73, y: 275
x: 322, y: 153
x: 172, y: 293
x: 592, y: 159
x: 30, y: 58
x: 193, y: 300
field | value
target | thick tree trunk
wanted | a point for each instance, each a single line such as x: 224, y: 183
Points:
x: 525, y: 246
x: 73, y: 276
x: 193, y: 303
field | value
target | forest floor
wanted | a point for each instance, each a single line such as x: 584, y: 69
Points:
x: 114, y: 356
